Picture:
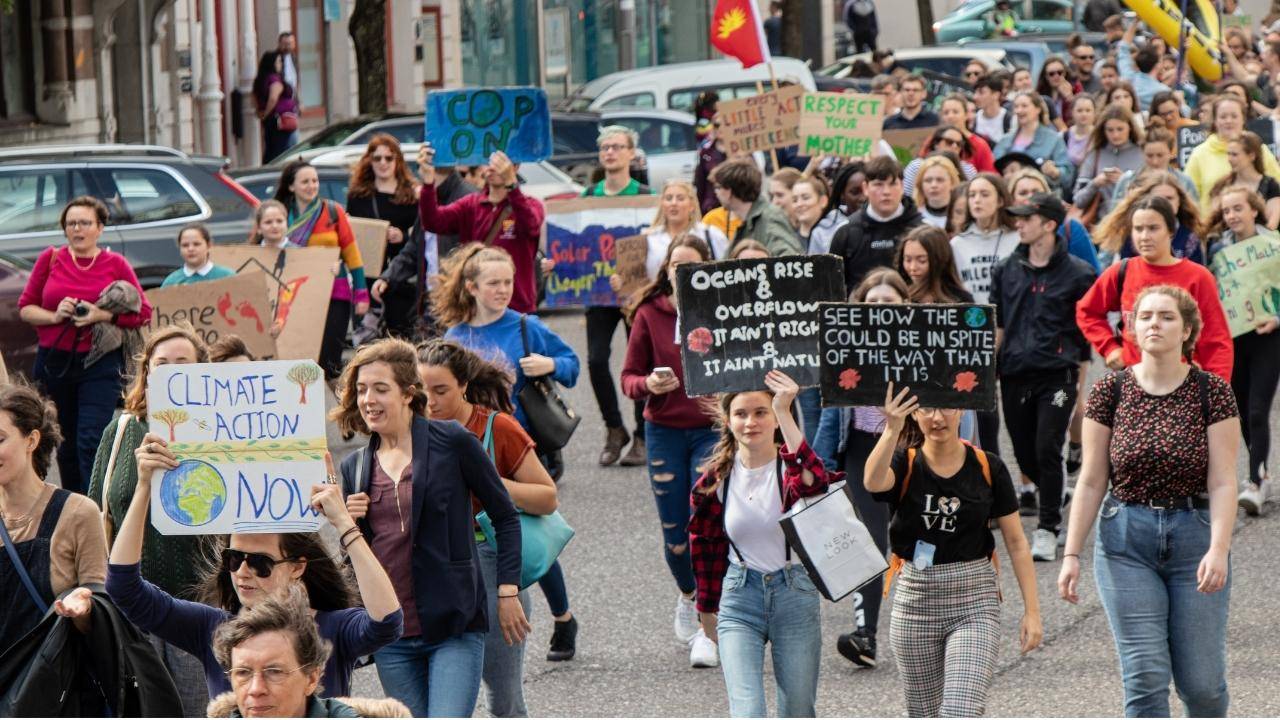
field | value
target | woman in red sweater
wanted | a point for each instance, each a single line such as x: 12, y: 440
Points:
x: 679, y: 431
x: 61, y: 300
x: 1152, y: 222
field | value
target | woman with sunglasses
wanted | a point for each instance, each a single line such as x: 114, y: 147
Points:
x: 382, y: 189
x: 1058, y: 86
x: 252, y: 568
x: 945, y: 139
x: 954, y: 111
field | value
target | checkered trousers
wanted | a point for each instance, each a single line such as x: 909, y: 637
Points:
x: 945, y: 634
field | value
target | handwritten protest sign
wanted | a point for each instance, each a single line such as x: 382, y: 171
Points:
x: 739, y: 319
x: 250, y: 443
x: 581, y: 237
x: 840, y: 124
x: 1248, y: 282
x: 906, y: 144
x: 1190, y: 138
x: 632, y: 252
x: 761, y: 122
x: 466, y: 126
x: 237, y: 305
x: 300, y: 281
x: 946, y: 354
x: 371, y: 238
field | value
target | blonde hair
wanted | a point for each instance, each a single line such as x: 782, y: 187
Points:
x: 135, y: 398
x: 695, y: 215
x: 451, y: 301
x: 928, y: 164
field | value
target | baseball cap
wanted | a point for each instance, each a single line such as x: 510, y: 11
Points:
x: 1047, y: 205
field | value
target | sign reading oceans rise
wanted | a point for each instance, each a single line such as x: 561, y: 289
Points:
x: 761, y: 122
x: 946, y: 354
x: 739, y: 319
x: 1248, y: 282
x: 466, y: 126
x: 250, y: 443
x: 582, y: 237
x: 236, y: 305
x: 840, y: 124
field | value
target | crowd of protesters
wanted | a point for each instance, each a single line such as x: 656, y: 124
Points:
x: 1057, y: 199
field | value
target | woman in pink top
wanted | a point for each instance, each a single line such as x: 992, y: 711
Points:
x: 81, y: 354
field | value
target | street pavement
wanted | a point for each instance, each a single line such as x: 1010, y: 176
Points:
x: 630, y: 664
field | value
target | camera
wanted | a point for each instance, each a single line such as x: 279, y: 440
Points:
x: 81, y: 309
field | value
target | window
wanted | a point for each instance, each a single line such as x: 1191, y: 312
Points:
x: 32, y: 200
x: 1049, y: 10
x: 141, y: 195
x: 682, y: 99
x: 637, y: 100
x: 570, y: 137
x: 17, y: 72
x: 658, y: 137
x: 403, y: 132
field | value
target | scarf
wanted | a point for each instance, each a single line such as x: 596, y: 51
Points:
x: 118, y: 298
x: 300, y: 227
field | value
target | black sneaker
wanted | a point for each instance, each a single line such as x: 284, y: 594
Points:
x: 858, y: 647
x: 564, y: 640
x: 1027, y: 505
x: 1073, y: 458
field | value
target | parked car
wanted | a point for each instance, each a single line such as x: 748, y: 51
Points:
x: 675, y: 86
x: 1057, y: 42
x: 947, y: 60
x: 405, y: 127
x: 261, y: 181
x: 1024, y: 52
x: 150, y: 191
x: 972, y: 19
x: 668, y: 143
x: 17, y: 338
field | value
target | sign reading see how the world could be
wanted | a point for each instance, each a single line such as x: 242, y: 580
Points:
x: 250, y: 441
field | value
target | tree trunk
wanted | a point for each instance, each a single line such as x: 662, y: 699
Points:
x: 924, y: 10
x: 793, y: 28
x: 368, y: 34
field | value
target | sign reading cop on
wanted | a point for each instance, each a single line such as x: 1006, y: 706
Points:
x: 946, y: 354
x: 1248, y: 282
x: 466, y: 126
x: 582, y: 237
x: 250, y: 443
x: 739, y: 319
x: 840, y: 124
x: 761, y: 122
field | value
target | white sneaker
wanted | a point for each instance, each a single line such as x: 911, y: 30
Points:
x: 686, y: 623
x: 1044, y: 545
x: 1251, y: 499
x: 703, y: 652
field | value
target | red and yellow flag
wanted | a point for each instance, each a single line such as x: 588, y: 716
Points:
x: 736, y: 31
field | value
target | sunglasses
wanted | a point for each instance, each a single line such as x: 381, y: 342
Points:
x: 972, y: 73
x: 1053, y: 73
x: 383, y: 158
x: 1090, y: 56
x: 261, y: 565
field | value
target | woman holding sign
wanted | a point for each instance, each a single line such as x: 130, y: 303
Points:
x: 946, y: 614
x: 1238, y: 217
x: 749, y: 591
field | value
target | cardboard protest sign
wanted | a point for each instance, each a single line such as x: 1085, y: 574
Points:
x: 250, y: 443
x: 1189, y: 138
x: 906, y: 144
x: 760, y: 122
x: 237, y: 305
x: 946, y: 354
x: 371, y: 238
x: 1248, y: 275
x: 840, y: 124
x: 581, y: 236
x: 300, y: 281
x: 466, y: 126
x: 631, y: 254
x: 739, y: 319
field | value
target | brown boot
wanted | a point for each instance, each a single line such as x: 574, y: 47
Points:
x: 614, y: 441
x: 635, y: 456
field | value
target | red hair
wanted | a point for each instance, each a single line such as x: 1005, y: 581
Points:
x: 362, y: 178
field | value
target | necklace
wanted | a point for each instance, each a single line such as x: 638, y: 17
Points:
x: 21, y: 521
x: 84, y: 268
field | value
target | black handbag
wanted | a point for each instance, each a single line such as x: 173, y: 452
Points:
x: 551, y: 420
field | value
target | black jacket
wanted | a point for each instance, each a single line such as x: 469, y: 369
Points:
x: 409, y: 264
x: 866, y: 244
x: 1036, y: 308
x: 449, y: 466
x: 48, y: 672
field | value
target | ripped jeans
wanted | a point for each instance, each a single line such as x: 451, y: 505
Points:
x: 675, y: 457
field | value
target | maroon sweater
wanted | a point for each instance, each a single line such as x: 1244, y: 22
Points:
x: 653, y: 344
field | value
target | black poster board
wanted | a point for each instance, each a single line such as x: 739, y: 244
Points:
x: 946, y: 354
x: 739, y: 319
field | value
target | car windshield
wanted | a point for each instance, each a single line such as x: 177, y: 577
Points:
x: 581, y: 100
x: 329, y: 136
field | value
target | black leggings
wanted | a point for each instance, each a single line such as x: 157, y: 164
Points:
x: 1037, y: 411
x: 1253, y: 379
x: 602, y: 322
x: 875, y: 514
x: 989, y: 431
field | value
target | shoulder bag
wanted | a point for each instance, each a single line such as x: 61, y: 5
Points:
x: 108, y: 525
x: 551, y: 420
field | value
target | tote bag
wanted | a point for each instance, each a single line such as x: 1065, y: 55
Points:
x: 833, y: 543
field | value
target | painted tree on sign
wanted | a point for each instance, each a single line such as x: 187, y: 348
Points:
x: 172, y: 417
x: 303, y: 374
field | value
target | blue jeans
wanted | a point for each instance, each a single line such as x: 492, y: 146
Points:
x: 675, y: 458
x: 433, y: 679
x: 1145, y: 563
x: 86, y: 399
x: 784, y: 610
x: 503, y: 664
x: 810, y: 402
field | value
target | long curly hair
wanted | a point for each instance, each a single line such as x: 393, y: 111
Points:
x: 401, y: 358
x: 487, y: 384
x: 328, y: 583
x: 135, y: 398
x: 1216, y: 225
x: 363, y: 182
x: 451, y: 301
x: 1112, y: 233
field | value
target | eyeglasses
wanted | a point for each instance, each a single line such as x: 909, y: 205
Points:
x: 261, y: 565
x: 614, y: 147
x: 948, y: 141
x: 944, y: 412
x: 74, y: 224
x: 383, y: 158
x: 241, y: 676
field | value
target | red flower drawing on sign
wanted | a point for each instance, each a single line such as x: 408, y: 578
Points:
x: 700, y: 340
x: 849, y: 379
x: 966, y: 381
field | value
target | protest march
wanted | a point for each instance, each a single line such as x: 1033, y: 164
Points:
x: 904, y: 364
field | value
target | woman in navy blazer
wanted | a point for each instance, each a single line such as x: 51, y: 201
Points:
x: 414, y: 491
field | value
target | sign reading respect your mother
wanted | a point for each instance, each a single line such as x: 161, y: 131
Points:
x: 840, y: 124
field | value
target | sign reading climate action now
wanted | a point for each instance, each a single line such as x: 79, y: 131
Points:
x: 946, y: 354
x: 742, y: 318
x: 840, y: 124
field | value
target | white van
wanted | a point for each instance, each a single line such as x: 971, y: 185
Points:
x: 675, y: 86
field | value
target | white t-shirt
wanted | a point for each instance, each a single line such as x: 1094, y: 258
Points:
x: 991, y: 128
x: 660, y: 240
x: 751, y: 517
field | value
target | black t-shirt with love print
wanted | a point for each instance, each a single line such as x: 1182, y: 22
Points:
x: 950, y: 513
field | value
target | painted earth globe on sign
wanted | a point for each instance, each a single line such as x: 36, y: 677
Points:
x: 193, y: 493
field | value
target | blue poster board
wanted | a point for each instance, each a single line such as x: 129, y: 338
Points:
x: 582, y: 239
x: 466, y: 126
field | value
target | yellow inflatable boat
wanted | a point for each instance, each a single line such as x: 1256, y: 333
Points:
x: 1203, y: 31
